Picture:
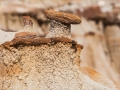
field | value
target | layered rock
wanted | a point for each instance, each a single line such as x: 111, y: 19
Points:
x: 32, y: 63
x: 113, y: 40
x: 29, y: 62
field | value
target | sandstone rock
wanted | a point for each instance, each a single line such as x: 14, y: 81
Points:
x: 113, y: 36
x: 96, y: 53
x: 46, y: 63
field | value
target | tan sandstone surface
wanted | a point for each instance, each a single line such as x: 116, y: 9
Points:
x: 32, y: 63
x: 101, y: 48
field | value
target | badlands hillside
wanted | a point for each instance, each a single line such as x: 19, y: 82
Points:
x: 98, y: 32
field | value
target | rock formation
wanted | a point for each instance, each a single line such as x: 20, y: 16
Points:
x: 113, y: 40
x: 28, y: 27
x: 60, y: 23
x: 29, y: 62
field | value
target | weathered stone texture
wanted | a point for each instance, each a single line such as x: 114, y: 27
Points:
x: 62, y: 17
x: 45, y: 66
x: 113, y: 40
x: 58, y: 29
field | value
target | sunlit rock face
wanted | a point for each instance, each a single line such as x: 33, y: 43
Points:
x: 33, y: 63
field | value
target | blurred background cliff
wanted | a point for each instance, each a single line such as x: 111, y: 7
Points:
x: 99, y: 31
